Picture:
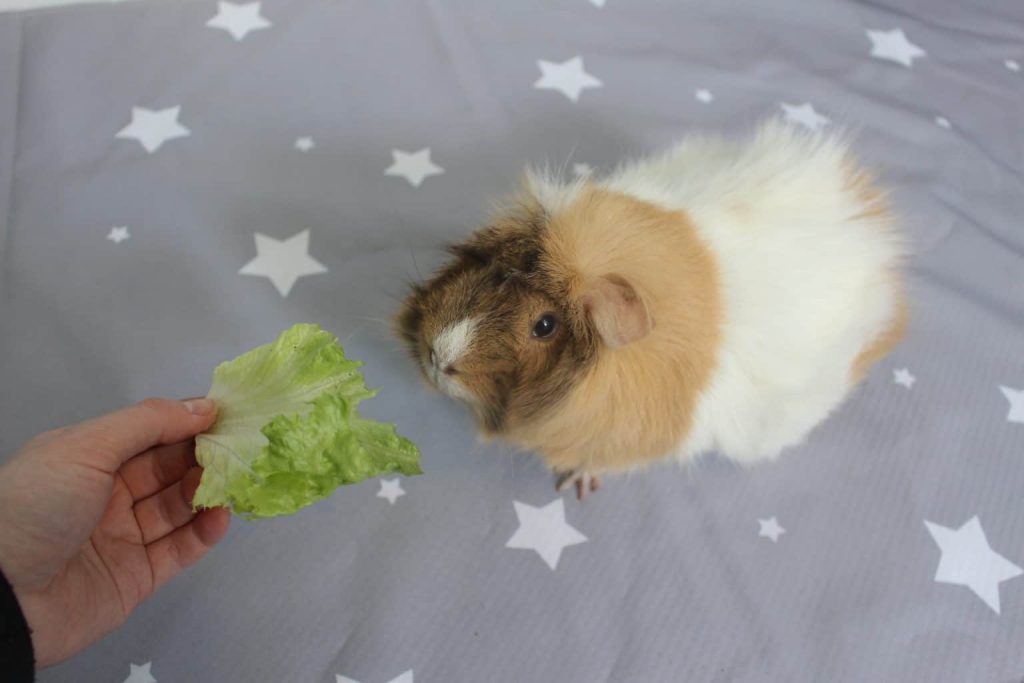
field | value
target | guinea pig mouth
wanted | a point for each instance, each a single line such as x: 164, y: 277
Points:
x: 448, y: 385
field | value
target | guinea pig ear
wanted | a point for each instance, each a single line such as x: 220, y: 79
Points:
x: 617, y: 311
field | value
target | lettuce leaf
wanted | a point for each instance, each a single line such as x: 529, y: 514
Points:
x: 288, y: 432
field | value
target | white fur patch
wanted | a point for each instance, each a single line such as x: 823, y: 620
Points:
x: 449, y: 347
x: 453, y: 342
x: 805, y: 277
x: 550, y: 191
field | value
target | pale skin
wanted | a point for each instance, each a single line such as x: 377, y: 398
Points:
x: 94, y: 518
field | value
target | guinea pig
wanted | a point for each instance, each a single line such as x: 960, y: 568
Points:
x: 726, y: 295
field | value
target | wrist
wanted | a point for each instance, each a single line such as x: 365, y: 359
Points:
x: 21, y: 610
x: 17, y: 653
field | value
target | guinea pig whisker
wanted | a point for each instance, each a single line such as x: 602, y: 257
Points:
x: 394, y: 297
x: 564, y: 168
x: 379, y: 321
x: 415, y: 265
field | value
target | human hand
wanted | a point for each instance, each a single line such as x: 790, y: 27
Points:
x: 95, y: 517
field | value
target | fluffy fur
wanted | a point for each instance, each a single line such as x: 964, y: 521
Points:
x: 725, y: 295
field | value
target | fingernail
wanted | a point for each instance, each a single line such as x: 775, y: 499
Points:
x: 200, y: 406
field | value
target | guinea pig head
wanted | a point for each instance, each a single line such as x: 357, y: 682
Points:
x: 508, y: 325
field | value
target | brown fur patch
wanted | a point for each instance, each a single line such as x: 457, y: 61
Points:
x: 498, y: 277
x: 635, y: 403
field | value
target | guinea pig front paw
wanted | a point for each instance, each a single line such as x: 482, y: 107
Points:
x: 585, y: 483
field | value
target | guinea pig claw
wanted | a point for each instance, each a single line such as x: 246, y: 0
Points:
x: 564, y: 481
x: 585, y: 483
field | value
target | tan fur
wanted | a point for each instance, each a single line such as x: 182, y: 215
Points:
x: 886, y: 341
x: 876, y: 206
x: 636, y: 403
x: 877, y: 210
x: 636, y: 298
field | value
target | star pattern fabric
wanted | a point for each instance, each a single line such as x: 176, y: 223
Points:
x: 140, y: 673
x: 804, y: 115
x: 568, y: 77
x: 1016, y: 399
x: 406, y: 677
x: 903, y: 378
x: 390, y: 490
x: 283, y: 261
x: 415, y: 167
x: 238, y: 19
x: 544, y: 530
x: 770, y: 529
x: 895, y: 47
x: 118, y: 234
x: 964, y: 556
x: 968, y: 560
x: 152, y: 128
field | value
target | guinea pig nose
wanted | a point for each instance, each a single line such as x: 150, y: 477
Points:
x: 450, y: 370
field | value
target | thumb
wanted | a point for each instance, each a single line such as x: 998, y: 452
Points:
x: 110, y: 440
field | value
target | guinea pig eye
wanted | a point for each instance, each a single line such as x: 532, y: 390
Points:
x: 545, y: 326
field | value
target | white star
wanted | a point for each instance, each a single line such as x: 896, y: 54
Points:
x: 805, y: 115
x: 402, y: 678
x: 903, y: 377
x: 140, y: 674
x: 153, y: 127
x: 238, y: 19
x: 968, y: 560
x: 413, y: 166
x: 1016, y: 399
x: 118, y: 234
x: 943, y: 122
x: 567, y: 77
x: 304, y: 144
x: 582, y: 170
x: 283, y: 261
x: 1012, y: 65
x: 703, y: 95
x: 544, y: 530
x: 894, y: 46
x: 390, y: 489
x: 770, y: 529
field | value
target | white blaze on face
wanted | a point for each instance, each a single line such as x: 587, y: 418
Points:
x: 449, y: 347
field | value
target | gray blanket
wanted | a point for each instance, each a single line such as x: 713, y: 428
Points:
x: 181, y: 181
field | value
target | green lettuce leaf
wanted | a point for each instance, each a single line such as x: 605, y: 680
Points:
x: 288, y: 432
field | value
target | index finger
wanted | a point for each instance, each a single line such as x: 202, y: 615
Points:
x: 157, y: 468
x: 110, y: 440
